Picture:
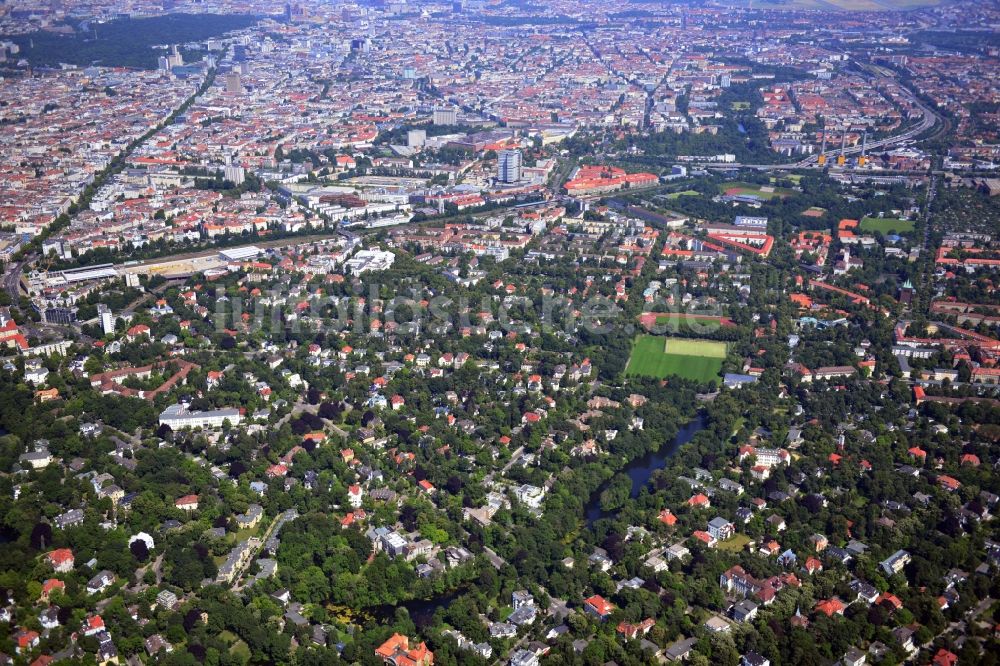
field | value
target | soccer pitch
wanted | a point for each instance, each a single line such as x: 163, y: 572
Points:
x: 698, y: 360
x: 740, y: 188
x: 887, y: 225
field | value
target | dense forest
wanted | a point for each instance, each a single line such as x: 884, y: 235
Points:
x: 124, y: 42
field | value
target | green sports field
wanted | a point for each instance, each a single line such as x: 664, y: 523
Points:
x: 679, y: 320
x: 698, y: 360
x: 692, y: 323
x: 740, y: 188
x: 887, y: 225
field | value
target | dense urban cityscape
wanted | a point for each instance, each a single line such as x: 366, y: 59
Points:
x: 491, y: 332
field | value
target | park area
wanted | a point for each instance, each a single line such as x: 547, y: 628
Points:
x: 685, y: 193
x: 887, y: 225
x: 659, y: 357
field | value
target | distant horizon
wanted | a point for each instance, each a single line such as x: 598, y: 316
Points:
x: 833, y: 5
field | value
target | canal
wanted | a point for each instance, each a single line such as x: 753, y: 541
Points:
x: 641, y: 469
x: 421, y: 610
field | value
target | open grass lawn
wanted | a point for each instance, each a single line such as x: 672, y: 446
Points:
x: 706, y: 348
x: 887, y: 225
x: 735, y: 188
x: 685, y: 193
x: 734, y: 545
x: 739, y: 106
x: 698, y: 360
x: 242, y: 535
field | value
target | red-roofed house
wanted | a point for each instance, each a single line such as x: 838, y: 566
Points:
x: 397, y: 651
x: 889, y: 600
x: 700, y: 501
x: 355, y: 495
x: 61, y: 559
x: 11, y: 336
x: 598, y: 606
x: 813, y: 565
x: 187, y: 503
x: 274, y: 471
x: 93, y: 625
x: 830, y: 607
x: 138, y: 331
x: 970, y: 459
x: 345, y: 162
x: 705, y: 538
x: 25, y: 640
x: 43, y: 660
x: 50, y: 586
x: 945, y: 658
x: 632, y: 631
x: 949, y: 483
x: 213, y: 379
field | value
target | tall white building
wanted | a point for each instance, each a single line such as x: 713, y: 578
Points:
x: 107, y: 318
x: 235, y: 174
x: 509, y: 166
x: 416, y: 138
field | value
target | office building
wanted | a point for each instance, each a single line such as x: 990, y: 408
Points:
x: 416, y: 138
x: 235, y: 174
x: 509, y: 166
x: 59, y: 315
x: 175, y: 58
x: 178, y: 417
x: 107, y: 318
x: 445, y: 117
x: 233, y: 84
x: 57, y: 247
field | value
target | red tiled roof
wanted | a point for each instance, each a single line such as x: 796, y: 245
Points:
x: 600, y: 605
